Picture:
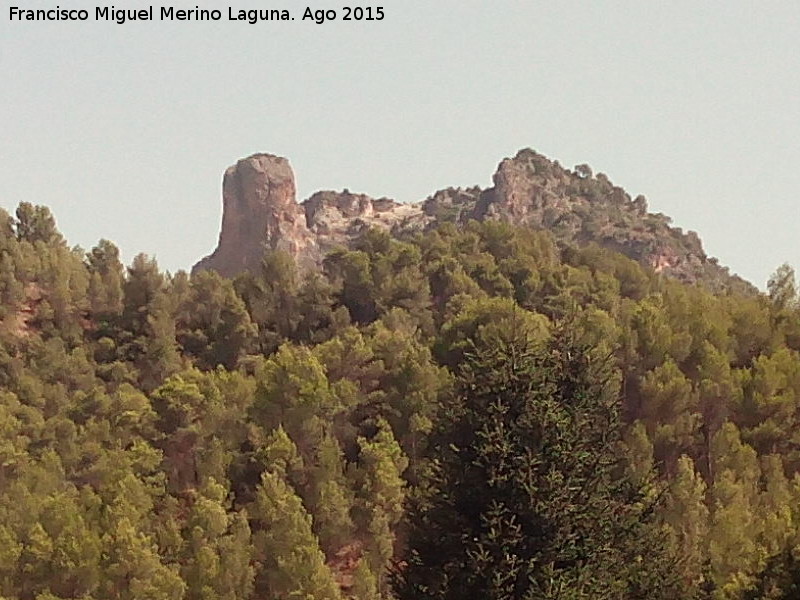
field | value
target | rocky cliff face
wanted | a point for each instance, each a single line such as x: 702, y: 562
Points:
x: 260, y: 212
x: 579, y: 207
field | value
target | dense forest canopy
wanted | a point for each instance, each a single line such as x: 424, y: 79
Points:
x: 472, y: 411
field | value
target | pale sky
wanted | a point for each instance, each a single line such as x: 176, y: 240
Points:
x: 125, y: 131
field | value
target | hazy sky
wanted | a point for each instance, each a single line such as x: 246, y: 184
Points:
x: 125, y: 131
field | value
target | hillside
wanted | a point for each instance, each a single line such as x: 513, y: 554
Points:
x: 390, y: 402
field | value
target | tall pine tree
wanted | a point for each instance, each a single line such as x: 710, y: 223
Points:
x: 528, y: 498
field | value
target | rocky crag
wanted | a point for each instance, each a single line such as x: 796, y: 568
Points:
x: 260, y: 212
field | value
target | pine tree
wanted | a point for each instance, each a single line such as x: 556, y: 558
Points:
x: 735, y: 529
x: 212, y: 322
x: 780, y: 578
x: 218, y: 565
x: 330, y: 499
x: 107, y: 277
x: 686, y: 517
x: 382, y: 464
x: 37, y: 224
x: 292, y: 564
x: 133, y: 568
x: 526, y: 497
x: 271, y: 296
x: 10, y: 552
x: 365, y: 585
x: 782, y: 288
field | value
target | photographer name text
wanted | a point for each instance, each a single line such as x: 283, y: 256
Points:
x: 121, y: 16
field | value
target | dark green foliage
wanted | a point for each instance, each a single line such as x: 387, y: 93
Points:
x: 106, y: 283
x: 527, y: 499
x: 271, y: 298
x: 36, y: 224
x: 213, y: 325
x: 780, y: 579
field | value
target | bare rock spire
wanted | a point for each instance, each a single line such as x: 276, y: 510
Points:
x: 260, y: 212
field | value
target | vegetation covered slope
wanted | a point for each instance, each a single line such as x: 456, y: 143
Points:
x: 283, y: 435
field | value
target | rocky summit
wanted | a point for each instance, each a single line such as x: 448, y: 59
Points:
x: 261, y: 212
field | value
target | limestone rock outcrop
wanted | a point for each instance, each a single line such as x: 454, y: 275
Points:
x: 261, y: 212
x: 579, y: 208
x: 337, y: 218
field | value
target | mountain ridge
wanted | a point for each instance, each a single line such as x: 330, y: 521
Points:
x: 261, y: 212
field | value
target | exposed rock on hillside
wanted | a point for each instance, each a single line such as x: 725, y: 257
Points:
x: 338, y: 218
x: 580, y: 208
x: 260, y: 211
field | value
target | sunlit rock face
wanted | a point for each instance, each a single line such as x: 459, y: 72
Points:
x: 261, y: 212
